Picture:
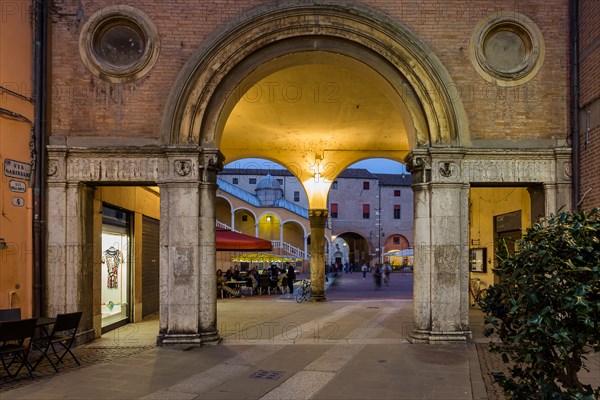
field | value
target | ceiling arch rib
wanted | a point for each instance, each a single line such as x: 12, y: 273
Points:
x: 329, y: 104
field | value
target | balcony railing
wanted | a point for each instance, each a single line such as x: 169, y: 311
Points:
x: 288, y: 248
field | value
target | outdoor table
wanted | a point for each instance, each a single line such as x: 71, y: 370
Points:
x: 236, y: 284
x: 44, y: 323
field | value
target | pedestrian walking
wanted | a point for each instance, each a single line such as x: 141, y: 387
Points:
x: 387, y: 271
x: 364, y: 270
x: 377, y: 276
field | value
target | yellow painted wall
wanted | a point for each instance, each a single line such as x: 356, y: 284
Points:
x: 485, y: 203
x: 16, y: 260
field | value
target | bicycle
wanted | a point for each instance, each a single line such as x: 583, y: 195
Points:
x: 478, y: 290
x: 303, y: 292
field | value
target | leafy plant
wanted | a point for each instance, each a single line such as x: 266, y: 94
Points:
x: 545, y: 310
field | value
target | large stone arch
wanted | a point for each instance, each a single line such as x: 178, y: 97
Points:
x: 185, y: 167
x: 206, y: 85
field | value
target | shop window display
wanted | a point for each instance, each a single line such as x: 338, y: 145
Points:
x: 114, y: 270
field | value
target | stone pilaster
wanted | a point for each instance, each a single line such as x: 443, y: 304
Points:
x: 318, y: 219
x: 422, y: 259
x: 440, y: 249
x: 69, y: 262
x: 56, y: 229
x: 56, y: 260
x: 550, y: 196
x: 212, y: 163
x: 179, y: 260
x: 449, y: 288
x: 179, y: 252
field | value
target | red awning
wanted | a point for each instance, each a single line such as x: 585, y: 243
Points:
x: 229, y: 240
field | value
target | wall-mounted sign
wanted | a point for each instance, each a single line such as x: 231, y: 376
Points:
x: 18, y: 201
x: 17, y: 169
x: 17, y: 186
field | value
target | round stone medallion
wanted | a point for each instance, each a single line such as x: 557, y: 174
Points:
x: 119, y: 44
x: 507, y: 50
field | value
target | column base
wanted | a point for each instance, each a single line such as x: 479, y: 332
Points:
x: 210, y: 338
x: 431, y: 337
x: 317, y: 298
x: 170, y: 339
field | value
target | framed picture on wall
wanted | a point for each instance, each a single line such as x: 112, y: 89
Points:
x: 478, y: 259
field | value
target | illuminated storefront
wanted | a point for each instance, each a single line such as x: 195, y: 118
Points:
x: 115, y: 281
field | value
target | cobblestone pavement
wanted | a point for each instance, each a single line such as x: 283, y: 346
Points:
x: 134, y: 339
x: 490, y: 363
x: 96, y: 355
x: 86, y: 355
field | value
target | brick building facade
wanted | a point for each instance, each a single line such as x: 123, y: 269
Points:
x: 371, y: 212
x: 472, y: 95
x: 588, y: 104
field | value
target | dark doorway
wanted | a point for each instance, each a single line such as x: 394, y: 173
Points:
x: 150, y: 266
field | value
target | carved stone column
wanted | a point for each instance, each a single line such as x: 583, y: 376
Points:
x: 550, y: 195
x: 179, y: 253
x: 449, y: 283
x: 558, y: 197
x: 56, y: 261
x: 318, y: 219
x: 440, y: 249
x: 56, y: 255
x: 212, y: 163
x: 69, y: 261
x: 422, y: 260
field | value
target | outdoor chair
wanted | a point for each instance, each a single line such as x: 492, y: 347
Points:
x: 264, y: 283
x: 15, y: 342
x: 284, y: 285
x: 63, y: 335
x: 10, y: 314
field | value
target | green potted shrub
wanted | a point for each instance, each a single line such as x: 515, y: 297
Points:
x: 545, y: 310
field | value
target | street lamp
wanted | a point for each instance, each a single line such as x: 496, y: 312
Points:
x: 379, y: 228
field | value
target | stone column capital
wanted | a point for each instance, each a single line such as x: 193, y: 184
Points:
x: 318, y: 217
x: 419, y: 165
x: 211, y: 162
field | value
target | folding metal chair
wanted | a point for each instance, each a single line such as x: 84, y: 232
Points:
x: 63, y: 334
x: 10, y: 314
x: 15, y: 343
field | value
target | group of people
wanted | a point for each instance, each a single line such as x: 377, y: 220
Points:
x: 222, y: 280
x: 285, y: 274
x: 346, y: 267
x: 252, y: 277
x: 381, y: 272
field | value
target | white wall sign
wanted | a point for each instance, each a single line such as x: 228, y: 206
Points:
x: 18, y: 201
x: 17, y: 186
x: 17, y: 169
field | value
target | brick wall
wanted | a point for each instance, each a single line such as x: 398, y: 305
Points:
x: 589, y: 102
x: 84, y: 105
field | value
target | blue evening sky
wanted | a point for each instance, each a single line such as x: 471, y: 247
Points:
x: 376, y: 165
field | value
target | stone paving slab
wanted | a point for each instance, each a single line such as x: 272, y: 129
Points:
x: 346, y: 349
x: 312, y: 361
